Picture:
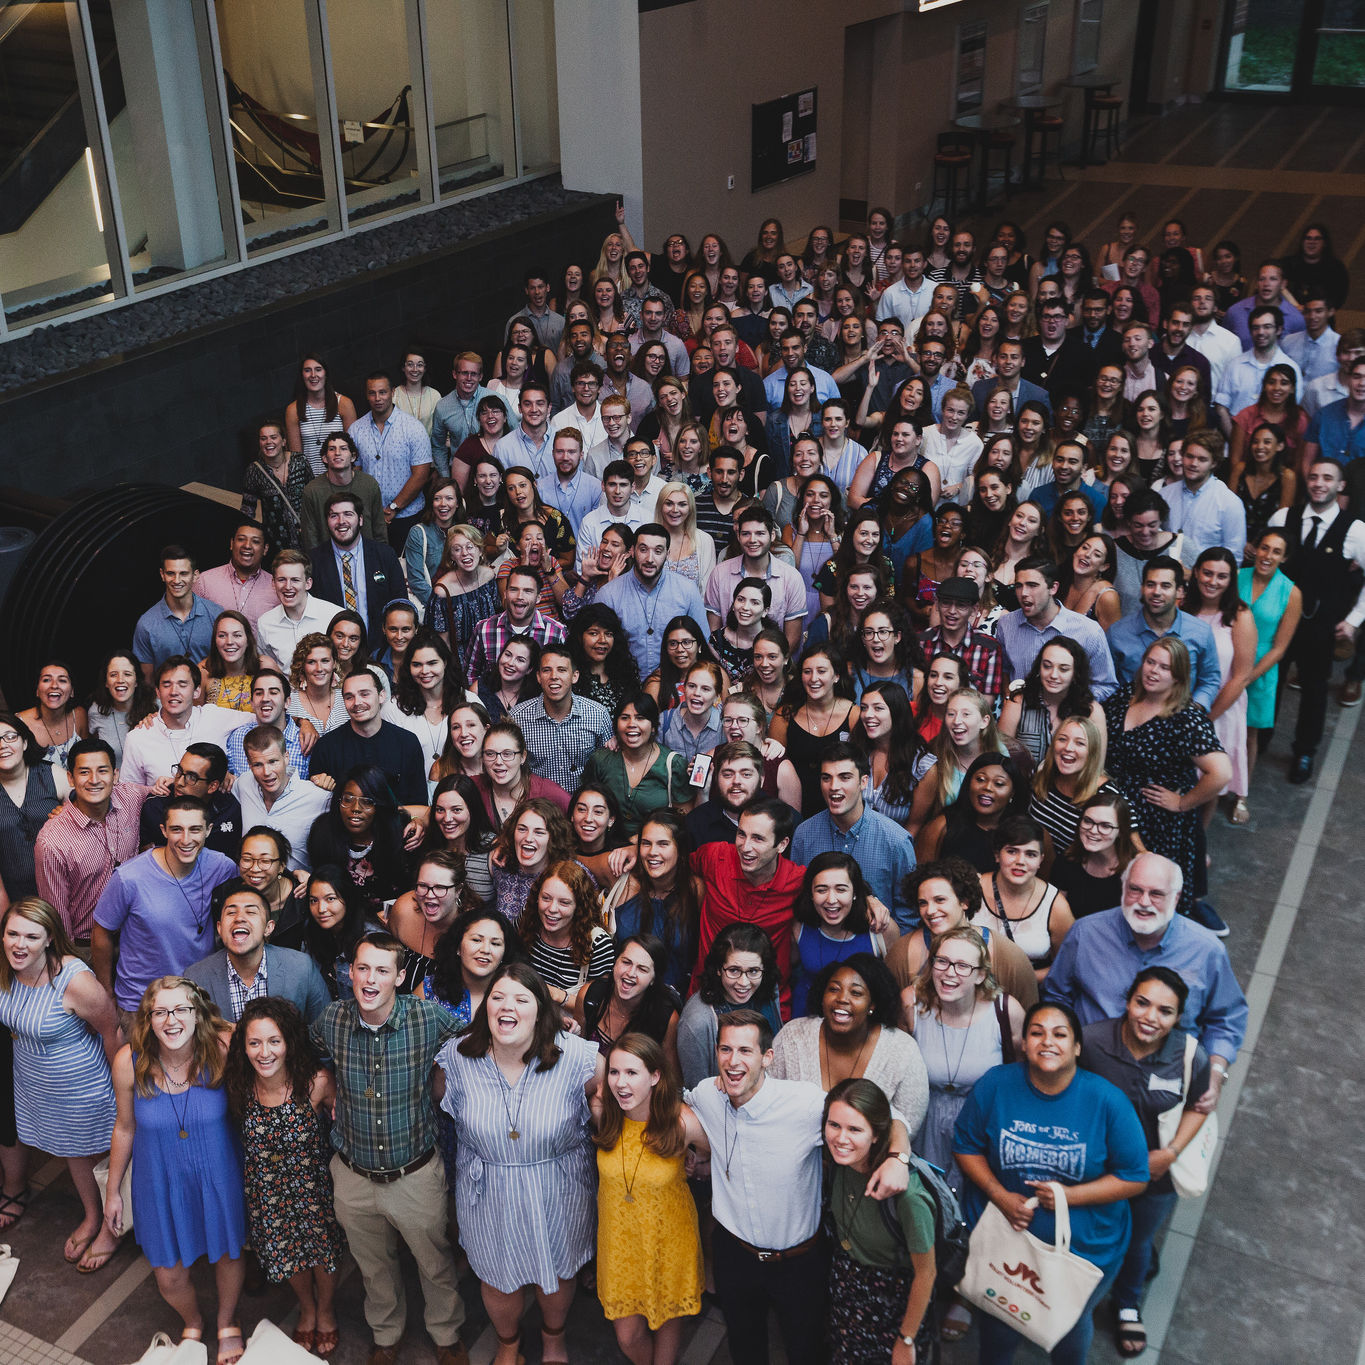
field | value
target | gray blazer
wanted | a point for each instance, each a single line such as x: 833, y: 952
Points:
x: 290, y: 975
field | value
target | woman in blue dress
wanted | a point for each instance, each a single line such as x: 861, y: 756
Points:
x: 187, y: 1182
x: 525, y: 1187
x: 65, y: 1031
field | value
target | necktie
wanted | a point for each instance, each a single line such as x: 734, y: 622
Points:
x: 1311, y: 539
x: 348, y: 583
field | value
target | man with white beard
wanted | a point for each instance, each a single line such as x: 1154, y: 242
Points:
x: 1101, y: 954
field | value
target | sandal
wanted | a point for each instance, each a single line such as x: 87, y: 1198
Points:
x: 1130, y: 1336
x: 90, y: 1262
x: 325, y: 1342
x: 1241, y: 813
x: 232, y: 1357
x: 78, y: 1246
x: 558, y: 1335
x: 957, y: 1322
x: 305, y: 1337
x: 192, y: 1334
x: 10, y: 1202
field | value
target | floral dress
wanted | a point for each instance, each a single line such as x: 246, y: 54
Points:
x: 278, y: 506
x: 289, y: 1206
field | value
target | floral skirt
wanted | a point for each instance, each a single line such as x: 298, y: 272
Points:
x: 866, y: 1309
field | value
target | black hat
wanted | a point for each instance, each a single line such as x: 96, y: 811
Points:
x: 959, y: 590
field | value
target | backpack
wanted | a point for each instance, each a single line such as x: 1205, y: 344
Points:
x: 951, y: 1233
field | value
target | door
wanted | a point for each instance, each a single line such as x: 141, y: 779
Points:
x: 1305, y: 50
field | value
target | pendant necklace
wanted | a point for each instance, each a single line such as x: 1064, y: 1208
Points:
x: 630, y: 1183
x: 182, y: 1120
x: 951, y: 1086
x: 513, y: 1120
x: 731, y: 1143
x: 846, y: 1232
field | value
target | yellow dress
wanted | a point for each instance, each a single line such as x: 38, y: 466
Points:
x: 234, y: 692
x: 648, y: 1250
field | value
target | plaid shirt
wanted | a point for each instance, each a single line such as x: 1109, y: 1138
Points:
x: 982, y: 655
x: 241, y: 992
x: 385, y: 1115
x: 492, y: 635
x: 560, y: 749
x: 293, y: 750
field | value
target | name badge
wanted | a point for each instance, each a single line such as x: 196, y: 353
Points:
x: 1174, y: 1084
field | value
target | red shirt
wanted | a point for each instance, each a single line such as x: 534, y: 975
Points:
x: 730, y: 899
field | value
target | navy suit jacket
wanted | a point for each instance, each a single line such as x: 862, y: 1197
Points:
x: 384, y: 581
x: 1028, y: 392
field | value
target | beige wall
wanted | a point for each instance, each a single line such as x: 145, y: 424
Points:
x: 703, y: 64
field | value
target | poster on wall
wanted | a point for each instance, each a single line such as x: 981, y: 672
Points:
x: 783, y: 139
x: 971, y: 67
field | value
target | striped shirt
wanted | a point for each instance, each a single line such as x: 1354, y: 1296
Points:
x: 385, y: 1116
x: 314, y: 429
x: 75, y: 856
x: 557, y: 967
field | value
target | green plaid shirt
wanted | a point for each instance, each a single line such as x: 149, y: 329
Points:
x: 385, y: 1116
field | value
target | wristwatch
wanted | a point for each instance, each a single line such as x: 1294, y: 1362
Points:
x: 903, y: 1158
x: 909, y: 1341
x: 1220, y: 1069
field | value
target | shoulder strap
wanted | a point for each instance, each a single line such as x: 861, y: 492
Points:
x: 279, y: 488
x: 1002, y: 1019
x: 1191, y: 1047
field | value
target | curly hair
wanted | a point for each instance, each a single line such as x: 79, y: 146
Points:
x: 206, y: 1058
x: 315, y: 639
x: 623, y: 672
x: 1079, y: 699
x: 587, y: 908
x: 300, y: 1056
x: 562, y: 842
x: 964, y: 879
x: 881, y: 987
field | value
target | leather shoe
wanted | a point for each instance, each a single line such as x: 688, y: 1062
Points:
x: 1350, y: 693
x: 384, y: 1355
x: 1301, y: 769
x: 454, y: 1354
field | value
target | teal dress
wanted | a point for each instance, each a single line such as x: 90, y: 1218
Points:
x: 1267, y: 611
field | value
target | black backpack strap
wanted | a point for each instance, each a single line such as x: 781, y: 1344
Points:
x: 1002, y: 1018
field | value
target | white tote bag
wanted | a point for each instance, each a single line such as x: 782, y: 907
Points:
x: 1190, y: 1170
x: 270, y: 1346
x: 1040, y: 1289
x: 164, y: 1351
x: 125, y: 1188
x: 9, y: 1268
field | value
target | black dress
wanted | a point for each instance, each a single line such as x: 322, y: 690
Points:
x: 1086, y: 895
x: 805, y: 751
x: 1161, y: 753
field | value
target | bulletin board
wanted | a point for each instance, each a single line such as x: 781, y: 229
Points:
x: 783, y: 138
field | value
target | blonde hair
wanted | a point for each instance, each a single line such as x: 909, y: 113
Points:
x: 944, y: 749
x: 208, y: 1056
x: 42, y: 914
x: 1091, y: 777
x: 1179, y: 655
x: 926, y: 991
x: 674, y: 486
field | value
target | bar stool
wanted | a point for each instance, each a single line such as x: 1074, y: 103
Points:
x: 1001, y: 145
x: 1043, y: 126
x: 1101, y: 121
x: 952, y: 171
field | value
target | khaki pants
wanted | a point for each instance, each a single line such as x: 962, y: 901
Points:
x: 374, y: 1217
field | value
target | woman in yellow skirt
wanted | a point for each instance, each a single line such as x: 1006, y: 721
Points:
x: 649, y: 1264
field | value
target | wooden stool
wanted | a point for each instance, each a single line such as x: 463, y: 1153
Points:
x: 952, y: 171
x: 1101, y: 121
x: 1042, y: 126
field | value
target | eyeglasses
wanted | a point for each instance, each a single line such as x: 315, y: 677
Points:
x: 433, y: 888
x: 159, y: 1016
x: 948, y: 967
x: 357, y: 802
x: 10, y: 739
x: 877, y: 632
x: 177, y: 771
x: 502, y: 755
x: 1098, y: 826
x: 742, y: 973
x: 246, y: 860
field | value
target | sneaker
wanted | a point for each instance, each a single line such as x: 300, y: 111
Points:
x: 1204, y: 913
x: 1350, y: 693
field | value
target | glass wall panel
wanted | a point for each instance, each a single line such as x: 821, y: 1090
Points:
x: 533, y: 39
x: 471, y: 86
x: 273, y: 118
x: 165, y: 131
x: 1261, y: 44
x: 52, y: 240
x: 376, y: 105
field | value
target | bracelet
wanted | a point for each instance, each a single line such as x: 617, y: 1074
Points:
x: 1220, y: 1069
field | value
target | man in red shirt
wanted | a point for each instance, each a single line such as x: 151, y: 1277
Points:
x: 750, y: 881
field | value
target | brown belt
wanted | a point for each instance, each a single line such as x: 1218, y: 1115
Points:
x: 764, y: 1256
x: 388, y: 1177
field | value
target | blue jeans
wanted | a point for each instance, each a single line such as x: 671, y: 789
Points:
x: 1150, y: 1212
x: 999, y: 1340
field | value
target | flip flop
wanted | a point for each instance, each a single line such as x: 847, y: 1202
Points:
x: 325, y: 1343
x: 78, y: 1245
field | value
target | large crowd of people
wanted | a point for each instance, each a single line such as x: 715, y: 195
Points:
x: 754, y: 735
